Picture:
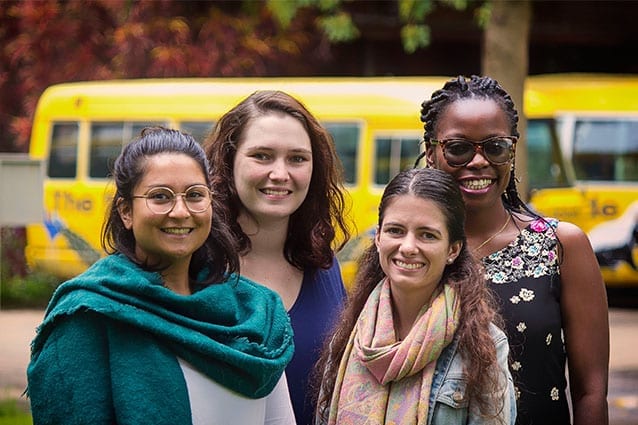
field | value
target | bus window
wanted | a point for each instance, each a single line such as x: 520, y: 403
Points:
x: 346, y: 139
x: 107, y: 140
x: 606, y: 149
x: 394, y: 154
x: 198, y: 129
x: 544, y: 157
x: 63, y: 157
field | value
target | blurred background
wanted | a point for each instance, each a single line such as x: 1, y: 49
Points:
x: 47, y: 42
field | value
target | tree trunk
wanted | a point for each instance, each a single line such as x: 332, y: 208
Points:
x: 505, y: 58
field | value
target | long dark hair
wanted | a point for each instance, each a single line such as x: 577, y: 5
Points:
x: 464, y: 275
x: 313, y: 227
x: 218, y: 253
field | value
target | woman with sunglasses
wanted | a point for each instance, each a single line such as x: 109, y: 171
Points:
x: 544, y: 273
x: 162, y: 330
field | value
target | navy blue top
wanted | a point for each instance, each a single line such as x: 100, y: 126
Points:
x: 318, y: 305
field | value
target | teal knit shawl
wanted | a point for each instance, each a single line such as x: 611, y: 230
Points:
x: 236, y: 332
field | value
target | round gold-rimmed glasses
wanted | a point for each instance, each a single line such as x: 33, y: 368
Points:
x: 162, y: 200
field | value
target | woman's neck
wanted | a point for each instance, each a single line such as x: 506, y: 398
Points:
x: 406, y: 308
x: 176, y: 278
x: 266, y: 263
x: 490, y: 230
x: 266, y: 238
x: 481, y: 224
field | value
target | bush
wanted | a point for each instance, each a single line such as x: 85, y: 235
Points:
x: 18, y: 287
x: 31, y: 291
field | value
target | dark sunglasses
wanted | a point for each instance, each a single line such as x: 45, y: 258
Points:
x: 459, y: 152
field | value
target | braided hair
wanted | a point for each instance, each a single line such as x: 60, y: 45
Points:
x: 474, y: 88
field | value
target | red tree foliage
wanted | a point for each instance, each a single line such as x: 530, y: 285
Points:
x: 53, y: 41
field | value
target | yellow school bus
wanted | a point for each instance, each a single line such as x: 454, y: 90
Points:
x: 596, y: 122
x: 79, y: 129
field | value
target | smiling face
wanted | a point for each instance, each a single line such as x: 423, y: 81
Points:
x: 273, y: 167
x: 167, y: 239
x: 413, y: 244
x: 473, y: 119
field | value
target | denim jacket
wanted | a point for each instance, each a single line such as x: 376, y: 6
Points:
x: 448, y: 404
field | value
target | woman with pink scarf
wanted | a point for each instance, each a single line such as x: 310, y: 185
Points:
x: 418, y: 343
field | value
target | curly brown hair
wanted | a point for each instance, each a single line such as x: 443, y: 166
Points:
x: 478, y: 308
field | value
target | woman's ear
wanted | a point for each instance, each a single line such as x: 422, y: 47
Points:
x: 125, y: 212
x: 454, y: 251
x: 430, y: 155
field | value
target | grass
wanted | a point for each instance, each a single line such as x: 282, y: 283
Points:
x: 14, y: 413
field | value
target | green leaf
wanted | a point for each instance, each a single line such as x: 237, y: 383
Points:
x: 414, y: 37
x: 339, y: 27
x: 283, y: 11
x: 457, y: 4
x: 483, y: 14
x: 414, y: 10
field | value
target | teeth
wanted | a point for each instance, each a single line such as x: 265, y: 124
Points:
x: 411, y: 266
x: 181, y: 231
x: 275, y: 192
x: 476, y: 184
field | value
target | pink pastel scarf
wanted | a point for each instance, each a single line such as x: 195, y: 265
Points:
x: 385, y: 381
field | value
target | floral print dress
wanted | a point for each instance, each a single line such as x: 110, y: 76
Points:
x: 525, y: 277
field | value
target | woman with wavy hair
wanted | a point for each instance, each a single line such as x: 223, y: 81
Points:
x: 417, y: 343
x: 277, y: 173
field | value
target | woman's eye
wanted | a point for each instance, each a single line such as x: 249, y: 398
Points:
x: 428, y: 236
x: 298, y: 159
x: 393, y: 230
x: 160, y: 196
x: 260, y: 156
x: 194, y: 194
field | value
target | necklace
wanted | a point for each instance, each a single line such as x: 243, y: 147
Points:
x: 488, y: 240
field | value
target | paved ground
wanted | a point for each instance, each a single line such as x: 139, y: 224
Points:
x: 17, y: 329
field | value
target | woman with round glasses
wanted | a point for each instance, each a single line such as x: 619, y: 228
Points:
x: 544, y: 273
x: 163, y: 330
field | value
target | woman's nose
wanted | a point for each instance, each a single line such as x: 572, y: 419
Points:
x: 408, y: 245
x: 279, y: 171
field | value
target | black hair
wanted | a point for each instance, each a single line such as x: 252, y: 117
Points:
x: 218, y: 253
x: 475, y: 87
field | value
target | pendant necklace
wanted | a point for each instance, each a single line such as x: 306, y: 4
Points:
x: 488, y: 240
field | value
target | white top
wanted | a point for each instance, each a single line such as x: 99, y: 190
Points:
x: 214, y: 404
